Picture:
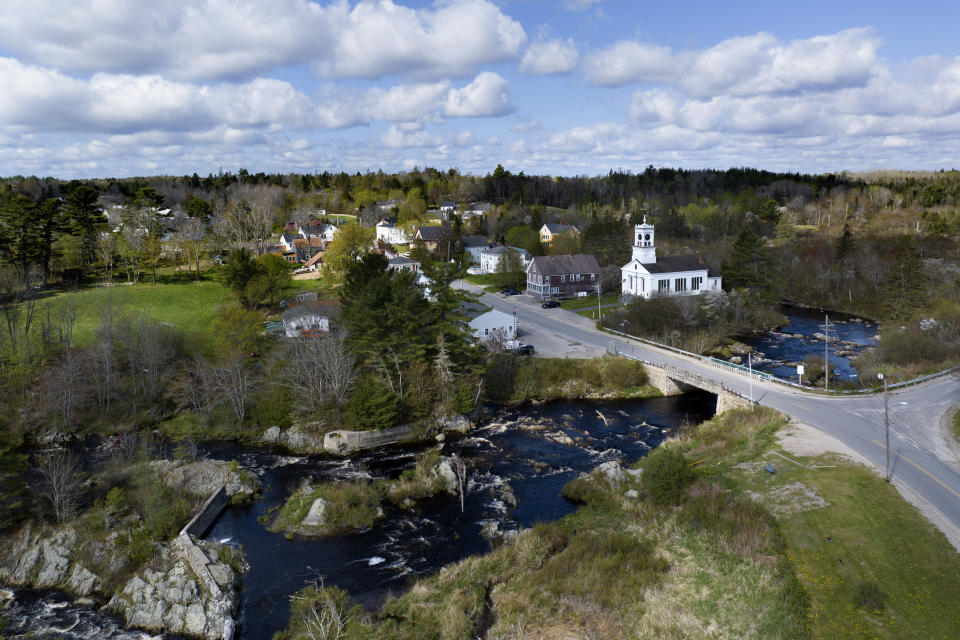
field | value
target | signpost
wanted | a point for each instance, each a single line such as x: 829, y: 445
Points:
x: 800, y: 370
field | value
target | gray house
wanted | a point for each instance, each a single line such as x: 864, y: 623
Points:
x: 560, y: 277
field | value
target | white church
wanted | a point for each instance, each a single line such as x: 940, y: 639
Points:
x: 673, y: 275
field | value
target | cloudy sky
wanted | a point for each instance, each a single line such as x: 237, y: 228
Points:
x: 102, y: 88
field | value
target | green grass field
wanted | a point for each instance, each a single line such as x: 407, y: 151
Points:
x: 189, y: 306
x: 865, y: 533
x: 587, y: 302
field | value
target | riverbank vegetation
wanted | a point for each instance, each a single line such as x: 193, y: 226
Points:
x: 706, y: 543
x: 514, y: 379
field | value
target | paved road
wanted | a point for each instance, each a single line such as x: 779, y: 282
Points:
x: 920, y: 456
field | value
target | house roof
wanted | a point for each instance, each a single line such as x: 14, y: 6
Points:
x: 302, y: 311
x: 387, y: 222
x: 499, y: 317
x: 677, y: 264
x: 495, y: 251
x: 434, y: 233
x: 555, y: 227
x: 475, y: 241
x: 316, y: 259
x: 400, y: 261
x: 289, y: 237
x: 557, y: 265
x: 448, y: 204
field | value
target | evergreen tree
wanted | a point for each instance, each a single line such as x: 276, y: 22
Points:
x: 748, y: 266
x: 905, y: 285
x: 82, y: 215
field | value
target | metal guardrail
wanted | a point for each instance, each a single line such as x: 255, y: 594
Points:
x: 763, y: 375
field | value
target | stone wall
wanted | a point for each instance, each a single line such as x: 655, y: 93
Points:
x: 199, y: 524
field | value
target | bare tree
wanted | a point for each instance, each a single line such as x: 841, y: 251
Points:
x: 460, y: 469
x: 233, y: 379
x: 106, y: 252
x: 59, y: 471
x: 324, y: 619
x: 202, y: 388
x: 320, y: 370
x: 65, y: 385
x: 442, y: 365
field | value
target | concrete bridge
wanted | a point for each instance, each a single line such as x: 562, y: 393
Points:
x: 672, y: 381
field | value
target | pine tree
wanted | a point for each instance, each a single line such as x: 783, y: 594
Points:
x: 748, y: 266
x: 905, y: 285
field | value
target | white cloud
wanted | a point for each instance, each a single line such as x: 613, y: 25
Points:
x: 233, y: 39
x: 550, y: 57
x: 487, y: 95
x: 653, y: 106
x: 742, y: 66
x: 48, y: 100
x: 382, y: 38
x: 407, y: 136
x: 405, y: 102
x: 625, y: 62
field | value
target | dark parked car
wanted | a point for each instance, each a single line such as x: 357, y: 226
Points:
x: 510, y: 291
x: 550, y: 304
x: 524, y: 350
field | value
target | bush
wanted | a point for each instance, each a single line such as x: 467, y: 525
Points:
x: 623, y: 373
x: 868, y: 595
x: 666, y: 474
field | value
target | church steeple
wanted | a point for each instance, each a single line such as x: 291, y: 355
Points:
x: 644, y: 249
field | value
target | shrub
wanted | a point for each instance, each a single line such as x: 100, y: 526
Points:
x: 623, y: 373
x: 666, y: 474
x: 868, y: 595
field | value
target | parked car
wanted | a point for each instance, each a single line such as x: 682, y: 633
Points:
x: 550, y: 304
x: 510, y: 291
x: 524, y: 350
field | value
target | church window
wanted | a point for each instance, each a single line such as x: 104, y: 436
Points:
x: 695, y: 283
x: 680, y: 284
x: 663, y: 285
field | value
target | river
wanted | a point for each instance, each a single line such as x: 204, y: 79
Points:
x: 536, y: 449
x: 779, y: 352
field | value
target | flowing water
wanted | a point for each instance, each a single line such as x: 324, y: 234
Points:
x: 779, y: 352
x: 535, y: 449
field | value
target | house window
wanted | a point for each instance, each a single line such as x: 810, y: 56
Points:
x: 555, y: 290
x: 663, y: 285
x: 561, y: 278
x: 695, y: 283
x: 680, y: 284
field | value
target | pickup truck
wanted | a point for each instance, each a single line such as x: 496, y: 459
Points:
x: 517, y: 347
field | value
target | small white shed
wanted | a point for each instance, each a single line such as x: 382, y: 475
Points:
x: 494, y: 325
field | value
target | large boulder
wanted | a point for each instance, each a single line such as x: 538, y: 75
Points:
x: 317, y: 514
x: 82, y: 581
x: 205, y: 477
x: 55, y: 560
x: 612, y: 472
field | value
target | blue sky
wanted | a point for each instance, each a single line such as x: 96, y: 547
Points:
x: 566, y: 87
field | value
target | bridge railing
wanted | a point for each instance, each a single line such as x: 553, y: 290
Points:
x: 763, y: 375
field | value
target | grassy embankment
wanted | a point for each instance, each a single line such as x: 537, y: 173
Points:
x: 513, y: 379
x: 842, y: 556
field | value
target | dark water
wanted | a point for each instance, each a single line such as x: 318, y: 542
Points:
x: 407, y: 544
x: 516, y: 447
x: 774, y: 349
x: 48, y: 614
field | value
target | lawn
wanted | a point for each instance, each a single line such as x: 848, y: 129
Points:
x: 865, y: 539
x: 589, y: 301
x: 956, y: 424
x: 482, y: 279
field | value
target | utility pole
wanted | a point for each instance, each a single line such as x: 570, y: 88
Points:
x: 826, y: 353
x: 886, y: 424
x: 750, y: 367
x: 598, y: 300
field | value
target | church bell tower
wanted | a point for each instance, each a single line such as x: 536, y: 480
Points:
x: 643, y: 246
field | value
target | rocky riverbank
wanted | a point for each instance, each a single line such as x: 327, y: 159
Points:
x: 184, y: 586
x: 310, y: 439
